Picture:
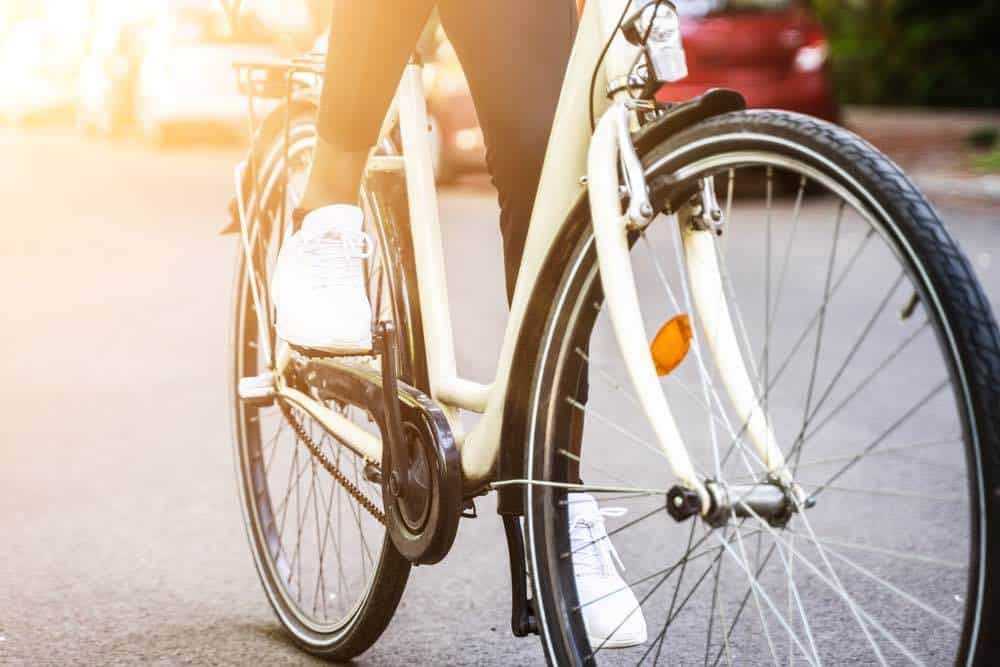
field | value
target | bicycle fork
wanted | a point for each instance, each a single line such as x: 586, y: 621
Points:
x: 610, y: 147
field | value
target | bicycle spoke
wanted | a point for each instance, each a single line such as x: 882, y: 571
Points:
x: 712, y: 611
x: 694, y: 589
x: 673, y: 598
x: 274, y: 447
x: 837, y: 587
x: 617, y: 530
x: 743, y: 603
x: 598, y: 468
x: 758, y: 591
x: 621, y: 429
x: 293, y: 467
x: 793, y: 594
x: 283, y: 505
x: 667, y: 570
x: 783, y: 272
x: 885, y: 434
x: 882, y: 451
x: 895, y: 589
x: 610, y: 380
x: 857, y: 345
x: 302, y: 510
x: 327, y: 536
x: 319, y: 552
x: 823, y: 309
x: 802, y: 337
x: 879, y: 492
x: 607, y: 377
x: 892, y: 553
x: 856, y: 390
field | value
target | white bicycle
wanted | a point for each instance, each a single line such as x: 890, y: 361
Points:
x: 747, y: 327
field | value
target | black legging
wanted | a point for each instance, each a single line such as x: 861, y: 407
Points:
x: 514, y: 53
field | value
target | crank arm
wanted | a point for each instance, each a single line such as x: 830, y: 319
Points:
x: 399, y: 460
x: 610, y: 235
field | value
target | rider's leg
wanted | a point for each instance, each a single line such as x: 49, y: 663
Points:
x: 514, y: 54
x: 370, y: 43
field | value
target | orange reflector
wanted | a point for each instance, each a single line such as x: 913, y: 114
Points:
x: 671, y: 344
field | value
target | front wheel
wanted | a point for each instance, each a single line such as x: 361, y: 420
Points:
x: 876, y: 360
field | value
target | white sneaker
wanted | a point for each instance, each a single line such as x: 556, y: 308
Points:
x: 319, y: 283
x: 611, y: 613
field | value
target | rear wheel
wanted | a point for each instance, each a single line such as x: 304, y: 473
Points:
x: 877, y: 360
x: 313, y: 517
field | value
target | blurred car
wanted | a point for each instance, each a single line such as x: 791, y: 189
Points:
x: 186, y: 78
x: 37, y: 74
x: 773, y: 51
x: 108, y: 77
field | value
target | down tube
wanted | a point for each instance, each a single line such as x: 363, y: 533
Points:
x: 559, y: 189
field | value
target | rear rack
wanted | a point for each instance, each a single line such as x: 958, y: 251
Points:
x: 276, y: 79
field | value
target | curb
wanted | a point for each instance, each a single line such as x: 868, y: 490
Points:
x: 984, y: 188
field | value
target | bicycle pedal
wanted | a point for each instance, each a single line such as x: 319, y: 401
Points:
x: 257, y: 390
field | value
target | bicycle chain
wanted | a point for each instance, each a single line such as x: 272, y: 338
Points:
x: 370, y: 506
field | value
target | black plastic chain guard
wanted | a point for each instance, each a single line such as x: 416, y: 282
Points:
x: 360, y: 385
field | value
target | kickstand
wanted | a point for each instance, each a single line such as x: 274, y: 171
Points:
x: 523, y: 620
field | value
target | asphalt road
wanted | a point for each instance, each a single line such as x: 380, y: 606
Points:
x: 123, y: 541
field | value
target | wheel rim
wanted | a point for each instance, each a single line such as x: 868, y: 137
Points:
x: 809, y: 548
x: 318, y: 550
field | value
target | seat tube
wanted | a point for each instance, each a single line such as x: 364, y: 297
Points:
x: 426, y: 232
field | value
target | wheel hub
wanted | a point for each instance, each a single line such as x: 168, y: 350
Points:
x: 767, y: 500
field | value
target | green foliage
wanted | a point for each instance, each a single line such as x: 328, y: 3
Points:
x: 988, y: 162
x: 914, y: 52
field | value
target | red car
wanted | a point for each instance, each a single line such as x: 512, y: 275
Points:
x: 772, y: 51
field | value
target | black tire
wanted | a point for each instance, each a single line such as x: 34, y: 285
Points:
x: 362, y: 624
x: 957, y: 310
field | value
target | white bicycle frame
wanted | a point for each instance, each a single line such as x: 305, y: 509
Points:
x: 572, y: 154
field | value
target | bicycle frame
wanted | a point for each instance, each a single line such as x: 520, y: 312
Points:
x: 572, y: 154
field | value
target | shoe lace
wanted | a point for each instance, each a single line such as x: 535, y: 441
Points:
x: 597, y: 555
x: 337, y: 259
